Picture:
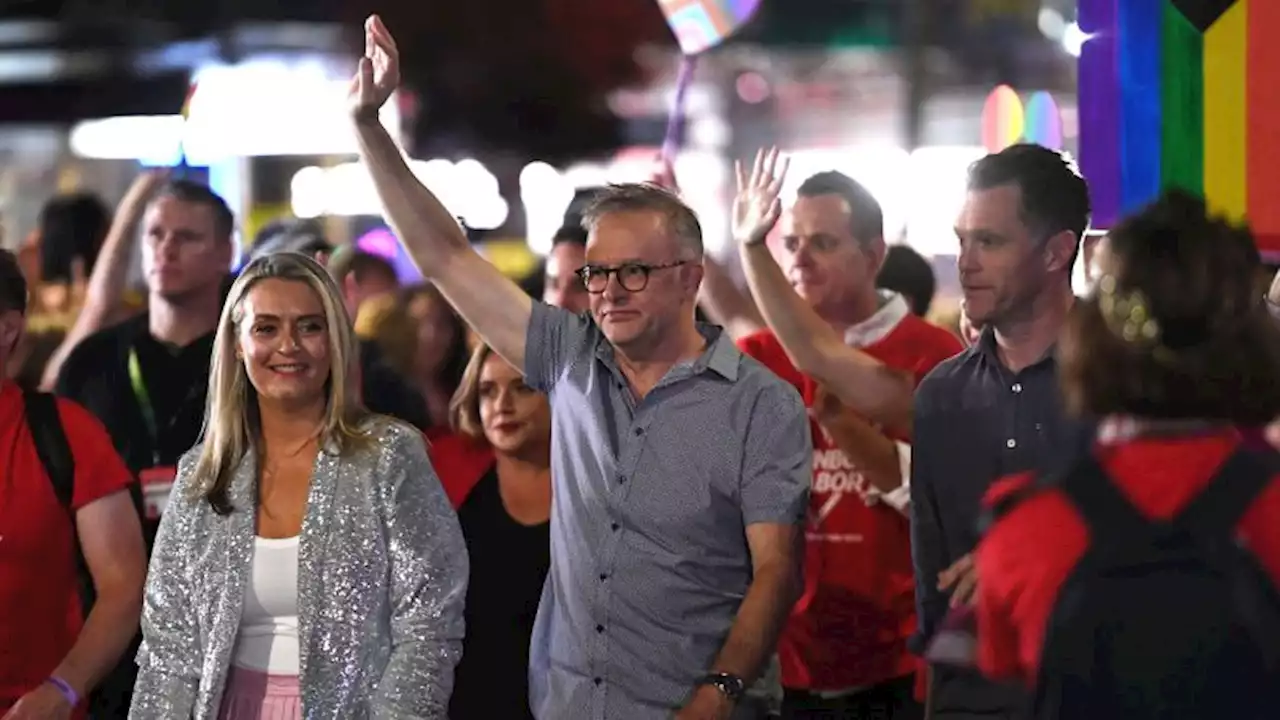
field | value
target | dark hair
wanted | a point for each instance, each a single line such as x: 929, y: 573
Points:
x: 13, y: 285
x: 188, y: 191
x: 1174, y: 329
x: 582, y: 198
x: 680, y: 220
x: 455, y: 361
x: 362, y: 266
x: 1054, y: 196
x: 290, y: 235
x: 906, y: 271
x: 71, y: 226
x: 535, y: 282
x: 866, y: 217
x: 571, y: 234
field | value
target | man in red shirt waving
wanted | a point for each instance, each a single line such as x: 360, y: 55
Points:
x: 855, y: 354
x: 51, y: 655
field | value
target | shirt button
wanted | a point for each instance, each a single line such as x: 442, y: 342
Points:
x: 604, y: 576
x: 1011, y: 443
x: 639, y: 432
x: 622, y: 478
x: 599, y: 628
x: 1017, y: 387
x: 597, y: 681
x: 615, y: 526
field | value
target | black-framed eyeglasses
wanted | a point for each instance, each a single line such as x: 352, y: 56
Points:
x: 632, y: 276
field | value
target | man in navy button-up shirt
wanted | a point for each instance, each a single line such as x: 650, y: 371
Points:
x: 994, y: 409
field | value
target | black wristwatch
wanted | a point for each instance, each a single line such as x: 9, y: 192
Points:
x: 731, y: 686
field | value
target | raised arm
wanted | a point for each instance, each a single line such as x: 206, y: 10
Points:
x: 107, y: 281
x: 860, y: 381
x: 491, y: 303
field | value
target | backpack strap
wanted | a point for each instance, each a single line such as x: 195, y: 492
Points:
x: 45, y: 425
x: 1102, y: 505
x: 1239, y: 480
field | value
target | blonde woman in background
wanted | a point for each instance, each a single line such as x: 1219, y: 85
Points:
x: 309, y: 561
x: 496, y: 469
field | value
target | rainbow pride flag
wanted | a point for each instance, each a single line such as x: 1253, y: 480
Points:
x: 1183, y: 93
x: 702, y: 24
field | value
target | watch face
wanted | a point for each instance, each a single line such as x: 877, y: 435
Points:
x: 731, y: 686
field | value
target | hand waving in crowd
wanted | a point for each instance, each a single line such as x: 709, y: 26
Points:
x: 757, y: 208
x: 379, y: 71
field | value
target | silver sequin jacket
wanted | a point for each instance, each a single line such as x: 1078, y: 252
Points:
x: 382, y: 575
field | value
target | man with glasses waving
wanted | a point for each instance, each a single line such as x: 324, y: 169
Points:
x: 681, y: 468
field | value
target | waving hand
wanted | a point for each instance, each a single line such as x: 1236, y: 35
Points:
x: 757, y: 207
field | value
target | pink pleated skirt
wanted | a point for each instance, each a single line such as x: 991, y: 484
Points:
x: 252, y: 695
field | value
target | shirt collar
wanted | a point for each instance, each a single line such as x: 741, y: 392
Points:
x: 721, y: 355
x: 987, y: 348
x: 893, y: 308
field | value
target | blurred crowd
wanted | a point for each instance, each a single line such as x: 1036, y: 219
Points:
x: 633, y: 485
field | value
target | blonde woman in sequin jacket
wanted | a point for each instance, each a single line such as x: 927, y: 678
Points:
x: 308, y: 561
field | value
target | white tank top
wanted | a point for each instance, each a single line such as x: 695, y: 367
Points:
x: 268, y: 637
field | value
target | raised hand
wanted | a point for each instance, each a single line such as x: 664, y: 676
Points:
x: 379, y: 71
x: 756, y: 208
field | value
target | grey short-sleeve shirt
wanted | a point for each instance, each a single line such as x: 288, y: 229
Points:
x: 649, y: 558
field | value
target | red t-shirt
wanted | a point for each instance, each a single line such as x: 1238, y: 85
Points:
x: 40, y: 613
x: 850, y: 627
x: 1029, y: 553
x: 459, y: 462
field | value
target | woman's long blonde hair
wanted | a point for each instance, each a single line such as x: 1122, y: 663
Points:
x: 232, y: 425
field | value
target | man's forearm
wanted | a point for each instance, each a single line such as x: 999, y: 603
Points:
x: 754, y: 635
x: 816, y: 349
x: 875, y: 454
x: 727, y: 304
x: 107, y: 632
x: 425, y: 226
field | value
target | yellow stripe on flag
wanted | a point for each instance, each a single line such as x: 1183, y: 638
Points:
x: 1226, y: 111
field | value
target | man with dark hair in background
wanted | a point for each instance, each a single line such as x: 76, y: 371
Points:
x: 909, y: 274
x: 362, y: 276
x: 72, y: 228
x: 146, y: 378
x: 67, y: 242
x: 562, y: 287
x: 995, y: 409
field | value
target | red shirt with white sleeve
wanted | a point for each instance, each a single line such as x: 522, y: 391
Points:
x: 850, y: 627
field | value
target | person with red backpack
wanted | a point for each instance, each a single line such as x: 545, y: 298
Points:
x: 69, y: 537
x: 1140, y: 581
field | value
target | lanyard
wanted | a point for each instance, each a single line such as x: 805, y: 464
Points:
x: 144, y: 404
